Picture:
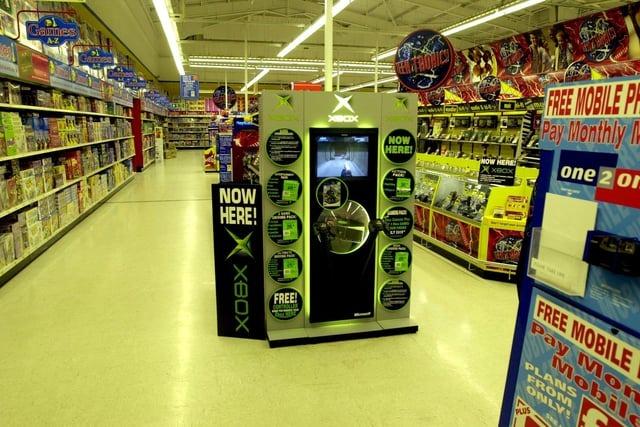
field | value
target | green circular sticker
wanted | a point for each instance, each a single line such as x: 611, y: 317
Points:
x: 399, y: 146
x: 284, y: 188
x: 395, y: 259
x: 397, y: 222
x: 284, y: 228
x: 285, y: 303
x: 284, y: 147
x: 332, y: 193
x: 394, y: 294
x: 398, y: 185
x: 284, y: 266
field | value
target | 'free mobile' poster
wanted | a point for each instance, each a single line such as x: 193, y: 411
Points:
x: 575, y: 370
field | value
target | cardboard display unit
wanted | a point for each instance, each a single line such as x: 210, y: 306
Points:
x: 576, y: 350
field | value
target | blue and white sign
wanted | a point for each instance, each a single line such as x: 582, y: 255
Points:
x: 52, y: 30
x: 96, y: 58
x: 576, y: 354
x: 574, y: 371
x: 137, y: 83
x: 189, y: 87
x: 121, y: 74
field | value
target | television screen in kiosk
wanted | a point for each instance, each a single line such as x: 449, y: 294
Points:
x: 344, y: 199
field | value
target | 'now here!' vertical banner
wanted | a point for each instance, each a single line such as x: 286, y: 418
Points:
x: 237, y: 245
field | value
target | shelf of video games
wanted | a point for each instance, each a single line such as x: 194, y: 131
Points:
x: 480, y: 225
x: 66, y: 146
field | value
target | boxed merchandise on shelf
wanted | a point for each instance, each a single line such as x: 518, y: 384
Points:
x: 480, y: 224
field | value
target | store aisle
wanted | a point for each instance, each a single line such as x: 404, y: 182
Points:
x: 115, y: 325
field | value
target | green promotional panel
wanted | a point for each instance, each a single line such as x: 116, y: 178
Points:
x: 398, y: 185
x: 395, y: 259
x: 284, y: 188
x: 285, y: 266
x: 284, y: 147
x: 394, y: 294
x: 399, y: 146
x: 397, y: 222
x: 284, y: 228
x: 285, y: 304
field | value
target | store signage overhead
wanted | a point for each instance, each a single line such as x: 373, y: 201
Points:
x: 424, y: 60
x: 96, y: 58
x: 52, y: 30
x: 137, y: 83
x: 189, y: 87
x: 224, y: 97
x: 489, y: 88
x: 120, y: 74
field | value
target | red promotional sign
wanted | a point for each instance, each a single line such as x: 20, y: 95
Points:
x: 624, y: 187
x: 305, y: 86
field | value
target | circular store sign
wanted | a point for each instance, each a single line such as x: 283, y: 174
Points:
x: 332, y: 193
x: 577, y: 71
x: 395, y: 259
x: 398, y: 185
x: 284, y: 147
x: 284, y: 228
x: 222, y: 100
x: 394, y: 294
x: 284, y: 188
x: 424, y: 60
x: 436, y: 97
x: 285, y: 303
x: 399, y: 146
x: 489, y: 88
x: 284, y: 266
x: 397, y: 222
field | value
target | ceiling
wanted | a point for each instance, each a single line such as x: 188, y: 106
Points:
x: 220, y: 28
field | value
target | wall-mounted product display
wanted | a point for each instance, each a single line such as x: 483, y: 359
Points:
x: 338, y: 214
x: 578, y: 327
x: 502, y: 129
x: 597, y: 46
x: 481, y: 225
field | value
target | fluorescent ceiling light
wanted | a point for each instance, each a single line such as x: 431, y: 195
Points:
x: 319, y: 23
x: 474, y: 22
x: 238, y: 67
x: 334, y: 74
x: 254, y: 80
x: 170, y: 32
x: 490, y: 16
x: 370, y: 83
x: 385, y: 54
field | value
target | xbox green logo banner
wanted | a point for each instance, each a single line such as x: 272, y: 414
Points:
x: 237, y: 247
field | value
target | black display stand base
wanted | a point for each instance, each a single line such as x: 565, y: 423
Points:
x: 329, y: 333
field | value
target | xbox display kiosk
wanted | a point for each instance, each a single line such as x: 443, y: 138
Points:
x: 338, y: 178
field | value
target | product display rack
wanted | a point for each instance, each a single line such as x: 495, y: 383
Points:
x: 189, y: 131
x: 478, y: 224
x: 66, y: 146
x: 501, y: 129
x: 147, y: 116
